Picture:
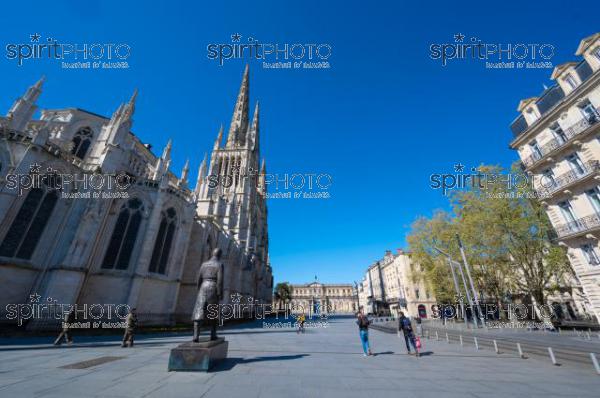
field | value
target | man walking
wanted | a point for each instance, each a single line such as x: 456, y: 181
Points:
x: 130, y: 324
x: 405, y: 326
x: 68, y: 319
x: 363, y: 329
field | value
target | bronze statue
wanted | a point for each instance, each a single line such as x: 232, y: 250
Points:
x: 210, y: 285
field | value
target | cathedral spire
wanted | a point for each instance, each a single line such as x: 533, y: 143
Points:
x: 24, y: 107
x: 239, y: 120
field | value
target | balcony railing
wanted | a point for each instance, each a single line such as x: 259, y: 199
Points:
x: 567, y: 178
x: 573, y: 131
x: 578, y: 226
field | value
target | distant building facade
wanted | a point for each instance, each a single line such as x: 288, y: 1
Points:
x: 317, y: 297
x: 145, y: 249
x: 557, y: 136
x: 390, y: 285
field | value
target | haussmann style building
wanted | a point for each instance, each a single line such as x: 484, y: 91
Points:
x: 557, y: 136
x: 389, y: 286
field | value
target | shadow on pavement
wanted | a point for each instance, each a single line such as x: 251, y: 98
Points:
x: 229, y: 363
x: 383, y: 353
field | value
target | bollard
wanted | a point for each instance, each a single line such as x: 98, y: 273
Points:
x: 447, y: 339
x: 437, y: 337
x: 461, y: 340
x: 476, y: 344
x: 520, y: 351
x: 588, y: 336
x: 552, y: 356
x: 496, y: 347
x: 595, y: 362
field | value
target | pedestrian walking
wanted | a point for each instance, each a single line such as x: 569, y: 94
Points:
x: 130, y: 325
x: 68, y: 319
x: 363, y: 329
x: 418, y: 321
x: 405, y: 326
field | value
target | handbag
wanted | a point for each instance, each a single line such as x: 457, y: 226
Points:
x: 418, y: 342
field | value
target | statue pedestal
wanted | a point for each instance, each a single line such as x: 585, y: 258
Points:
x: 198, y: 357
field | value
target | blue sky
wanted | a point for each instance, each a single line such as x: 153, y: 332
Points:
x: 380, y: 121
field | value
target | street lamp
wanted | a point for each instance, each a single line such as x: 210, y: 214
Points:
x: 453, y: 264
x: 475, y: 296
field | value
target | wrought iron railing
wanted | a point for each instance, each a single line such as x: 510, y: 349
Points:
x: 551, y: 185
x: 572, y: 131
x: 583, y: 224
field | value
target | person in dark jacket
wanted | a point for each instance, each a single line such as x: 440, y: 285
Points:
x: 405, y: 326
x: 130, y: 324
x: 363, y: 329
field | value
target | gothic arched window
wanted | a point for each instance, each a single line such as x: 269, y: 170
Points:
x: 124, y: 235
x: 164, y: 239
x: 82, y: 142
x: 29, y: 224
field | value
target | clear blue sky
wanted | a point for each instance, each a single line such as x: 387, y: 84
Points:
x: 380, y: 121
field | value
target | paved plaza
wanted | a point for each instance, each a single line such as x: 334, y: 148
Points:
x: 269, y: 362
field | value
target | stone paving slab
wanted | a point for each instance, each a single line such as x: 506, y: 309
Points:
x: 325, y: 362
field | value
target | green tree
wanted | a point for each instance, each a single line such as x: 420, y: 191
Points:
x: 283, y: 293
x: 506, y: 235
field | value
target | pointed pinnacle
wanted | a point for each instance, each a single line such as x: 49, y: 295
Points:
x: 40, y: 82
x: 256, y: 114
x: 167, y: 151
x: 133, y: 97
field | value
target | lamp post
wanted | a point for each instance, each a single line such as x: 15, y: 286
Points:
x: 453, y: 263
x: 475, y: 296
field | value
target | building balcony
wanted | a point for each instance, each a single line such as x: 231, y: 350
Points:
x: 578, y: 129
x: 568, y: 179
x: 578, y: 227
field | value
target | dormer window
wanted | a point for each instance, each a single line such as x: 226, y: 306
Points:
x: 532, y: 112
x: 596, y: 53
x: 570, y: 80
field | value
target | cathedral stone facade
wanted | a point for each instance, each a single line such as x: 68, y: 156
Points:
x: 143, y: 247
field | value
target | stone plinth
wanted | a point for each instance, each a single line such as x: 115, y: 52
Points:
x: 198, y: 357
